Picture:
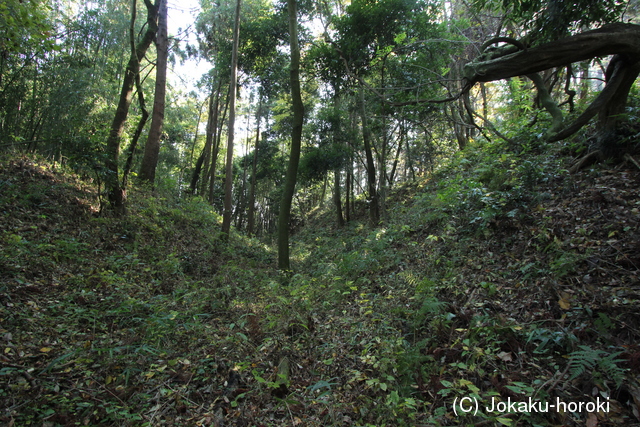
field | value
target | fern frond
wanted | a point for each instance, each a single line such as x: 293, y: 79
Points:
x: 582, y: 361
x: 588, y: 360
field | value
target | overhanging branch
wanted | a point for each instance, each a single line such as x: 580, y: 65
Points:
x: 621, y: 40
x: 612, y: 39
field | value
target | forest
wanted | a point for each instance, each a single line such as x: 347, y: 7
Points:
x: 360, y: 213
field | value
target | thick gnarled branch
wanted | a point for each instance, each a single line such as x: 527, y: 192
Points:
x: 621, y: 40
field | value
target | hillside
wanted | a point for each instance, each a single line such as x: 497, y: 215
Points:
x: 500, y: 277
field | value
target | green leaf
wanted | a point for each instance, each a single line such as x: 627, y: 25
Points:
x: 319, y: 385
x: 258, y: 377
x: 398, y: 39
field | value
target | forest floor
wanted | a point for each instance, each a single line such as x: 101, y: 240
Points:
x: 499, y: 279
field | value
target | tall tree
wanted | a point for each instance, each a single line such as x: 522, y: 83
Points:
x: 284, y: 215
x: 228, y: 184
x: 115, y: 191
x: 152, y: 147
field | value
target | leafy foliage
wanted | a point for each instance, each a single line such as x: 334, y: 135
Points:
x: 548, y: 20
x: 25, y: 25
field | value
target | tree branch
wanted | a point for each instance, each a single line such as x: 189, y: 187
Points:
x: 609, y: 40
x: 370, y: 88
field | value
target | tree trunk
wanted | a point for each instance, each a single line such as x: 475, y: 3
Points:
x: 116, y: 194
x: 284, y: 215
x: 205, y: 156
x: 233, y: 83
x: 337, y: 141
x: 254, y: 167
x: 374, y: 210
x: 382, y: 154
x: 548, y: 103
x: 152, y: 147
x: 196, y: 172
x: 136, y: 136
x: 219, y: 123
x: 396, y: 159
x: 612, y: 112
x: 508, y: 62
x: 337, y: 199
x: 241, y: 206
x: 320, y: 202
x: 193, y: 149
x: 347, y: 195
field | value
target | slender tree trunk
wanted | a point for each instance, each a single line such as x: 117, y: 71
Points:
x: 584, y: 82
x: 193, y: 147
x: 112, y: 182
x: 337, y: 141
x: 219, y: 121
x: 337, y: 199
x: 382, y: 170
x: 241, y: 206
x: 284, y: 215
x: 195, y: 133
x: 320, y: 202
x: 347, y: 196
x: 196, y: 172
x: 152, y: 147
x: 228, y: 183
x: 254, y: 167
x: 136, y: 136
x: 396, y: 159
x: 409, y: 160
x: 203, y: 160
x: 374, y: 210
x: 485, y: 104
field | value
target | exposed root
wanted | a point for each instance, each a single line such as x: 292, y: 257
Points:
x: 587, y: 160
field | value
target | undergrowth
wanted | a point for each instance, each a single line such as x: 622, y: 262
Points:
x: 499, y: 278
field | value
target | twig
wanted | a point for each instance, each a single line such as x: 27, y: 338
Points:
x: 491, y: 127
x: 553, y: 381
x: 632, y: 160
x: 23, y: 372
x: 623, y: 254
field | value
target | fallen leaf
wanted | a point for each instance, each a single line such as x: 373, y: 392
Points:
x: 564, y: 301
x: 504, y: 356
